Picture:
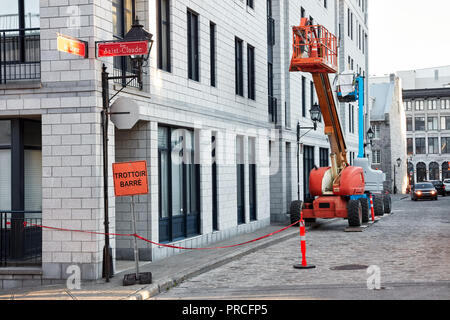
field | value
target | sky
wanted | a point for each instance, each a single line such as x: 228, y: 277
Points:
x: 408, y: 35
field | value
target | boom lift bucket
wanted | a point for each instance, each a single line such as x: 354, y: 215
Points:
x: 315, y: 49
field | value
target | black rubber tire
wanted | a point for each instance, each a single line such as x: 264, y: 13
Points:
x: 387, y: 201
x: 354, y: 213
x: 296, y: 208
x: 378, y: 205
x: 365, y: 210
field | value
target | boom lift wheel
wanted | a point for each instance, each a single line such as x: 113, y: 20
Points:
x: 354, y: 213
x: 387, y: 203
x: 378, y: 205
x: 365, y: 210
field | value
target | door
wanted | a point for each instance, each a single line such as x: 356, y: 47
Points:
x: 308, y: 165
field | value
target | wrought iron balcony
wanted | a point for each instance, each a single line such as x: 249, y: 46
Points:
x: 20, y: 55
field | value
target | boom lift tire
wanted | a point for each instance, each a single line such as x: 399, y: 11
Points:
x: 354, y: 210
x: 378, y: 205
x: 387, y: 201
x: 365, y: 210
x: 296, y: 208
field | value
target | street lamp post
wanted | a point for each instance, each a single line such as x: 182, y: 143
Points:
x: 136, y: 33
x: 399, y: 162
x: 315, y: 117
x: 370, y: 135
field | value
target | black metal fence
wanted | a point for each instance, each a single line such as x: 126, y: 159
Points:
x: 20, y: 238
x: 20, y: 55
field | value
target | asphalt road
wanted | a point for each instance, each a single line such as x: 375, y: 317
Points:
x: 410, y: 249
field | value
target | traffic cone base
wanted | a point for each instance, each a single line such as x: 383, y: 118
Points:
x: 302, y: 267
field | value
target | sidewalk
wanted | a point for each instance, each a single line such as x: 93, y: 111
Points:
x: 166, y: 273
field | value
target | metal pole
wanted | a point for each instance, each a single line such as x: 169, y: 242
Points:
x: 395, y: 186
x: 298, y: 161
x: 136, y: 252
x: 106, y: 249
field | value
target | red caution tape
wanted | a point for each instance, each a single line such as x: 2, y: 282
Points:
x: 162, y: 244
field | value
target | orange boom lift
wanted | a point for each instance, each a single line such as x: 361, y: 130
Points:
x: 335, y: 188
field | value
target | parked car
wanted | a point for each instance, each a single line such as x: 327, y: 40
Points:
x: 440, y: 188
x: 424, y: 190
x: 447, y: 186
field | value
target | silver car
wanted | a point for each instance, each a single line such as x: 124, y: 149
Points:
x: 447, y: 185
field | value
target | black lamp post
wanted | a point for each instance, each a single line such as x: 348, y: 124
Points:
x: 316, y: 116
x: 136, y: 33
x: 399, y: 162
x: 370, y: 135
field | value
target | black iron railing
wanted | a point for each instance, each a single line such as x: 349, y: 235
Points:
x: 20, y: 238
x: 20, y: 55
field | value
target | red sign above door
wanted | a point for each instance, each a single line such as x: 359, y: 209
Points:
x: 126, y: 48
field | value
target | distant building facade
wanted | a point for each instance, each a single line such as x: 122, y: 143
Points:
x: 389, y: 127
x: 426, y: 95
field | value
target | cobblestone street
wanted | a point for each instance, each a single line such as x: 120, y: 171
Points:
x: 411, y: 247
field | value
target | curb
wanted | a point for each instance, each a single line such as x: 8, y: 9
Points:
x: 168, y: 283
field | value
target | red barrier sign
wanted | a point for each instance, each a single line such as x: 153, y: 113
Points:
x: 130, y: 178
x: 72, y: 46
x: 125, y: 48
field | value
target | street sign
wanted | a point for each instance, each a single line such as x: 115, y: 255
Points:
x: 124, y: 113
x: 122, y: 48
x: 72, y: 45
x: 130, y: 178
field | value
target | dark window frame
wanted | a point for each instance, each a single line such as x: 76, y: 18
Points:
x: 239, y: 66
x: 193, y: 45
x: 164, y: 39
x: 212, y: 52
x: 251, y: 81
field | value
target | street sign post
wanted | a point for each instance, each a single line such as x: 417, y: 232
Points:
x: 130, y: 179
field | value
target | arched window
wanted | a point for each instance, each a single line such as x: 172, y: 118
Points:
x: 434, y: 171
x: 421, y: 172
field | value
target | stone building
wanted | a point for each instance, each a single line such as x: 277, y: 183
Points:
x: 426, y: 95
x: 389, y: 126
x: 217, y: 116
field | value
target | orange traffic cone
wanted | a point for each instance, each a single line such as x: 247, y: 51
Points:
x: 304, y: 265
x: 371, y: 208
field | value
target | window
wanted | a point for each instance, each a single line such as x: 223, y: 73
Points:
x: 419, y: 105
x: 212, y: 52
x: 302, y: 12
x: 408, y: 106
x: 240, y: 179
x: 179, y: 184
x: 376, y: 157
x: 252, y: 178
x: 410, y: 146
x: 122, y: 17
x: 432, y: 123
x: 214, y: 186
x: 20, y: 14
x: 409, y: 124
x: 251, y: 72
x: 325, y: 3
x: 445, y: 104
x: 445, y: 145
x: 445, y: 123
x: 311, y: 94
x: 324, y: 154
x: 192, y: 38
x: 420, y: 146
x: 419, y: 123
x: 433, y: 146
x: 308, y: 166
x: 376, y: 131
x: 250, y: 3
x: 239, y: 66
x: 163, y: 9
x: 351, y: 118
x: 432, y: 104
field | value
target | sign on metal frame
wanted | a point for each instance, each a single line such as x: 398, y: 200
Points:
x: 122, y: 48
x: 72, y: 45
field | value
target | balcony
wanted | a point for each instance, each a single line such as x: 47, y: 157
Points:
x: 20, y: 55
x: 20, y: 238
